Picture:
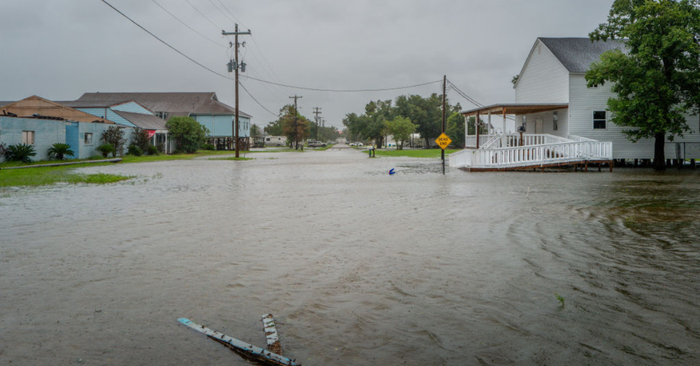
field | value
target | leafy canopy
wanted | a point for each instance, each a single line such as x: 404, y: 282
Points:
x: 401, y: 128
x: 188, y: 133
x: 657, y: 78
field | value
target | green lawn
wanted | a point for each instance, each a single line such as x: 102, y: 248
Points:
x: 231, y: 158
x: 50, y: 175
x: 420, y: 153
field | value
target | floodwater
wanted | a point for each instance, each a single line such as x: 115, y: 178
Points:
x: 359, y: 267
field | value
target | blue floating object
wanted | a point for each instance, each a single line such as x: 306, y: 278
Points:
x: 392, y: 172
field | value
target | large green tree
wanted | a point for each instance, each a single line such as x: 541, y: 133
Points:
x: 295, y: 128
x: 187, y: 133
x: 657, y: 78
x: 401, y: 128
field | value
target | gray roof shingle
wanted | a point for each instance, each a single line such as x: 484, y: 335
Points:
x: 145, y: 121
x: 173, y: 103
x: 577, y: 54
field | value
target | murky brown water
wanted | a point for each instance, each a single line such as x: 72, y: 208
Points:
x: 358, y: 267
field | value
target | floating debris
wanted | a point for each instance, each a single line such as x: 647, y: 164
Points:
x: 273, y: 339
x: 242, y: 348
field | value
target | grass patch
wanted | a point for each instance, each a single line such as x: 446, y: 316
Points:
x: 232, y: 158
x: 50, y: 175
x: 274, y: 151
x: 421, y: 153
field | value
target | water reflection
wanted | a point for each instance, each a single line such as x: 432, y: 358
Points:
x: 359, y: 267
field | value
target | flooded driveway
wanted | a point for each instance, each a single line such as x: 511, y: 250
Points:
x: 359, y: 267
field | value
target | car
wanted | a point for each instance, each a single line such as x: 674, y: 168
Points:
x: 359, y: 144
x: 317, y: 144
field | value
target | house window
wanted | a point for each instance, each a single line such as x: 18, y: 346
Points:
x: 88, y: 139
x: 599, y: 120
x: 555, y: 120
x: 28, y: 137
x: 162, y: 115
x: 268, y: 139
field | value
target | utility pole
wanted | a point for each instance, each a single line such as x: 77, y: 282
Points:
x: 317, y: 111
x: 236, y: 67
x: 296, y: 113
x: 444, y: 102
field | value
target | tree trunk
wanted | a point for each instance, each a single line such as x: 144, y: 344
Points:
x: 659, y: 153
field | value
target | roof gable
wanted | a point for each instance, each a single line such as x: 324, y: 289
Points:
x: 43, y: 107
x: 173, y: 102
x: 577, y: 54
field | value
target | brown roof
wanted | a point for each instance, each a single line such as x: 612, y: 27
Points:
x: 516, y: 108
x: 145, y: 121
x: 180, y: 103
x: 46, y: 108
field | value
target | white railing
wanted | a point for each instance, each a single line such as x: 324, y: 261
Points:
x: 471, y: 140
x: 494, y: 142
x: 578, y: 138
x: 562, y: 152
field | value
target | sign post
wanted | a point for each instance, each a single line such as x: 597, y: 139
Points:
x: 443, y: 141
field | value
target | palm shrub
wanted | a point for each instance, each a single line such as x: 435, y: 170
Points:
x: 59, y: 151
x: 106, y: 149
x: 20, y: 152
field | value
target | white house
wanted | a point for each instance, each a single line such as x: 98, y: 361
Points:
x: 564, y: 121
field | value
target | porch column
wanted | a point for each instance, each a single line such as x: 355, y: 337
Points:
x: 505, y: 142
x: 466, y: 131
x: 491, y: 129
x: 476, y: 127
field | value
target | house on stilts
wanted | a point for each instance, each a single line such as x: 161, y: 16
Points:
x: 556, y: 119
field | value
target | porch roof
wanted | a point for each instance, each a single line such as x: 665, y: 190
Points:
x: 516, y: 108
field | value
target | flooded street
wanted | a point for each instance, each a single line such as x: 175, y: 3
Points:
x: 359, y: 267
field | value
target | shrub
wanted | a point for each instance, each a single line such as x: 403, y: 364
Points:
x: 140, y: 138
x: 107, y: 149
x: 114, y: 136
x: 20, y: 152
x: 134, y: 150
x: 152, y: 150
x: 188, y: 133
x: 208, y: 147
x: 59, y: 151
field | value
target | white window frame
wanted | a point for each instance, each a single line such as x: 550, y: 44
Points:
x: 85, y: 141
x: 28, y: 137
x: 605, y: 120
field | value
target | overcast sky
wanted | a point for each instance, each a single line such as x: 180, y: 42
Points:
x: 59, y: 49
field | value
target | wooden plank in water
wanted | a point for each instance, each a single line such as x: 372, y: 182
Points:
x: 246, y: 350
x: 273, y: 339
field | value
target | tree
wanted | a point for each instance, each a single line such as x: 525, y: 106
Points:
x: 255, y: 130
x: 455, y: 128
x: 274, y: 128
x: 187, y: 133
x: 59, y: 151
x: 295, y: 129
x: 115, y: 137
x: 401, y: 128
x: 657, y: 79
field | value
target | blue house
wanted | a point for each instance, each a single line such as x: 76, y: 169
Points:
x: 42, y: 123
x: 205, y: 108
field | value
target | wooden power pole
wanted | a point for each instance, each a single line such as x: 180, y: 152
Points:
x: 236, y: 67
x: 296, y: 113
x: 444, y: 103
x: 317, y: 111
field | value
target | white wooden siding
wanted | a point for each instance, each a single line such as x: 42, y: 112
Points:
x: 543, y: 79
x: 547, y: 122
x: 584, y: 101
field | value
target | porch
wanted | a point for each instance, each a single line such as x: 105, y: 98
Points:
x: 502, y: 148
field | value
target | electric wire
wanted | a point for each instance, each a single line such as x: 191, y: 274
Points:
x: 342, y: 90
x: 470, y: 99
x: 221, y: 11
x: 186, y: 25
x: 256, y: 101
x: 205, y: 17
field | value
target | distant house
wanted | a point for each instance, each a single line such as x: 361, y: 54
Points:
x: 205, y: 108
x: 562, y: 120
x: 129, y: 113
x: 42, y: 123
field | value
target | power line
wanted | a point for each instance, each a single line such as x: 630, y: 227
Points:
x: 221, y: 11
x: 470, y: 99
x: 256, y: 101
x: 165, y: 43
x: 205, y: 17
x: 342, y: 90
x: 229, y: 11
x: 186, y: 25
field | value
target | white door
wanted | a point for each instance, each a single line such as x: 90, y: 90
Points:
x: 538, y: 126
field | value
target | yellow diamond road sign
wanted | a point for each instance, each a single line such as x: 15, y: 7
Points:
x: 443, y: 141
